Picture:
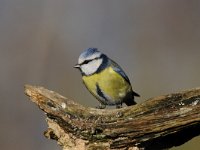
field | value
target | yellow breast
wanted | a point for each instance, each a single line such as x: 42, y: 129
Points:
x: 112, y: 84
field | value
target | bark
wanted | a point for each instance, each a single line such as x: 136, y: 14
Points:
x: 157, y: 123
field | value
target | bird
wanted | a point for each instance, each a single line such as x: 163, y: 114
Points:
x: 105, y: 79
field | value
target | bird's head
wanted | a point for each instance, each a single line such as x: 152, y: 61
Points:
x: 91, y: 61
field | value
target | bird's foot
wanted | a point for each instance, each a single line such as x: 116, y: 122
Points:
x: 119, y: 106
x: 101, y: 106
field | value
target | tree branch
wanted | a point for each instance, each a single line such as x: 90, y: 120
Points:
x: 158, y: 123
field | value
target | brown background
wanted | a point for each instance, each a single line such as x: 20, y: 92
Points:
x: 157, y: 43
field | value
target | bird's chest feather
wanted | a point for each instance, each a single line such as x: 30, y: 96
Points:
x: 109, y: 81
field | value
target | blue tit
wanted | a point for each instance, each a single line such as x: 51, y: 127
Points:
x: 105, y: 79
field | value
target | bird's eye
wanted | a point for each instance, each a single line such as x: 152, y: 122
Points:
x: 86, y: 61
x: 89, y: 60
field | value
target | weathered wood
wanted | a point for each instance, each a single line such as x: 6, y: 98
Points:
x: 157, y: 123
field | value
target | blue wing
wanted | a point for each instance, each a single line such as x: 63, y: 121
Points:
x: 119, y: 70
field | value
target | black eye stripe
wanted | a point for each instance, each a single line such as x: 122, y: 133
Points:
x: 87, y: 61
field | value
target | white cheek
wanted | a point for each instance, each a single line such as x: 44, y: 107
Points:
x: 87, y: 69
x: 91, y: 67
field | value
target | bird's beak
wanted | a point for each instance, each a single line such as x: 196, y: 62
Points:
x: 77, y: 66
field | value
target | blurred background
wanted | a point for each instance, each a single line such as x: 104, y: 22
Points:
x: 156, y: 42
